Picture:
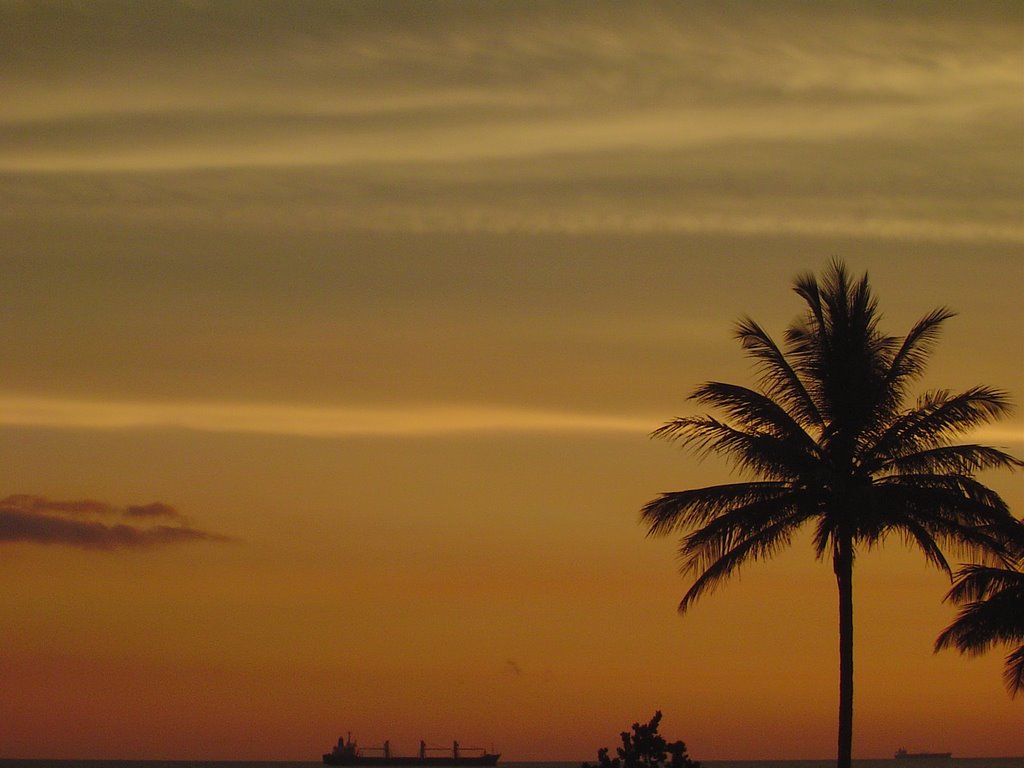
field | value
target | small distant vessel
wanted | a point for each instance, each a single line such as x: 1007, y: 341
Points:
x: 902, y: 754
x: 347, y: 752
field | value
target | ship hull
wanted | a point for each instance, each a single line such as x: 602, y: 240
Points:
x: 375, y: 760
x: 923, y: 755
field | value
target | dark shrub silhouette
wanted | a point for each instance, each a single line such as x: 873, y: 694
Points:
x: 646, y: 748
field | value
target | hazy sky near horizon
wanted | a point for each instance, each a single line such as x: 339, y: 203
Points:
x: 349, y: 321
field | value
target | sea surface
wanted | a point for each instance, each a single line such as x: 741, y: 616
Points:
x: 955, y: 762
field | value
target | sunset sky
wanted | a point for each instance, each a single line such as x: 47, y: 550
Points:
x: 333, y: 334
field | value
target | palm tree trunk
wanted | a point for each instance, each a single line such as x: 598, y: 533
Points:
x: 843, y: 566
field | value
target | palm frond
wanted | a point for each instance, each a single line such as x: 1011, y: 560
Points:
x: 806, y: 287
x: 910, y: 360
x: 683, y: 510
x: 963, y: 459
x: 1013, y: 530
x: 824, y: 536
x: 913, y: 531
x: 764, y: 454
x: 992, y: 614
x: 777, y: 375
x: 937, y: 418
x: 982, y: 624
x: 808, y: 338
x: 902, y: 366
x: 754, y: 411
x: 764, y: 544
x: 705, y: 545
x: 979, y: 582
x: 962, y: 495
x: 958, y: 513
x: 973, y: 631
x: 1013, y: 671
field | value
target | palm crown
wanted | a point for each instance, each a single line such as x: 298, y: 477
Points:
x: 827, y: 434
x: 831, y: 443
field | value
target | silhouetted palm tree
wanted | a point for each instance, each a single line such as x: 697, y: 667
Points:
x: 992, y: 614
x: 832, y: 445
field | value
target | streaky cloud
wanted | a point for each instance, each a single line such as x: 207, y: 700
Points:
x: 1000, y: 433
x: 337, y: 421
x: 407, y: 88
x: 312, y: 421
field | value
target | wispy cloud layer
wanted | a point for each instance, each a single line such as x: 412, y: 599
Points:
x: 426, y: 119
x: 308, y: 421
x: 221, y: 153
x: 39, y: 520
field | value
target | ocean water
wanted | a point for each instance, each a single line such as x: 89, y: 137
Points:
x: 955, y: 762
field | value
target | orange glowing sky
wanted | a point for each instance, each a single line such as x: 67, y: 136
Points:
x: 379, y: 301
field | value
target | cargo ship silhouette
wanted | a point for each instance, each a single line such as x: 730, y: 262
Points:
x: 902, y: 754
x: 348, y: 752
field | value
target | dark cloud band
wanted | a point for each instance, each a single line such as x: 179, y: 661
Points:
x: 35, y: 519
